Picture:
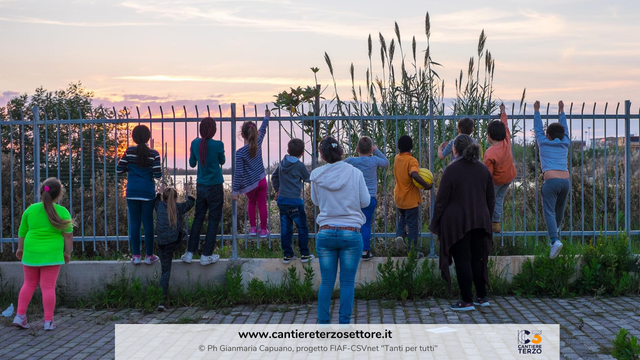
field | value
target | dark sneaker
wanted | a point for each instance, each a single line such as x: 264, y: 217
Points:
x: 367, y: 256
x: 462, y: 306
x: 288, y: 259
x: 481, y: 302
x: 161, y: 307
x: 306, y: 258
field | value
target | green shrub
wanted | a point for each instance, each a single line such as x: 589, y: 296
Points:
x: 292, y: 289
x: 545, y: 276
x: 625, y: 346
x: 605, y: 268
x: 403, y: 279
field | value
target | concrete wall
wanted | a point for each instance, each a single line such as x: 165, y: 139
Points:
x: 78, y: 278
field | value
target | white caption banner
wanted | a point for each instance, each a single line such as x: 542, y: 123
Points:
x: 390, y: 341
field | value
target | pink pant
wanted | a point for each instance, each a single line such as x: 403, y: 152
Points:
x: 258, y: 196
x: 46, y: 276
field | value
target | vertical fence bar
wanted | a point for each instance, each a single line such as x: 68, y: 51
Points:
x: 246, y: 204
x: 524, y: 167
x: 70, y: 170
x: 627, y: 170
x: 617, y: 175
x: 593, y: 178
x: 46, y: 145
x: 582, y: 169
x: 81, y: 135
x: 104, y: 176
x: 431, y: 195
x: 1, y: 208
x: 58, y: 141
x: 12, y: 194
x: 513, y: 185
x: 234, y: 202
x: 22, y: 164
x: 36, y: 155
x: 115, y: 172
x: 221, y: 215
x: 605, y: 168
x: 93, y: 180
x: 570, y: 125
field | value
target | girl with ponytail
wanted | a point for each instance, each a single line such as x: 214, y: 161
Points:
x: 250, y: 177
x: 208, y: 155
x: 142, y: 166
x: 170, y: 226
x: 462, y: 220
x: 45, y: 241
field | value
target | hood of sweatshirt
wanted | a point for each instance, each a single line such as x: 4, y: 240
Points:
x: 332, y: 176
x: 288, y: 163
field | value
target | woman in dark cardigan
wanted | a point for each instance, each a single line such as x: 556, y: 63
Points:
x: 462, y: 222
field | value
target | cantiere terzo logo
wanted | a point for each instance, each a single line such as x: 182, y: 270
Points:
x: 529, y: 342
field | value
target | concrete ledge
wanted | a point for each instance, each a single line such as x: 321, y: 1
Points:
x: 79, y: 278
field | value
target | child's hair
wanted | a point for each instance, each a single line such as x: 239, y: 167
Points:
x: 331, y: 150
x: 555, y: 131
x: 250, y: 134
x: 496, y: 130
x: 465, y: 125
x: 295, y: 147
x: 365, y: 144
x: 207, y: 131
x: 50, y: 190
x: 465, y: 146
x: 170, y: 196
x: 141, y: 136
x: 405, y: 143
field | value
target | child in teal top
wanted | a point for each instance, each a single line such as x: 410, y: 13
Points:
x: 45, y: 241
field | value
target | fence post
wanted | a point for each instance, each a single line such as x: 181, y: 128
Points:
x: 432, y: 196
x: 627, y: 169
x: 234, y: 202
x: 36, y: 154
x: 314, y: 143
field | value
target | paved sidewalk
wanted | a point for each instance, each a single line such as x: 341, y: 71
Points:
x: 587, y: 325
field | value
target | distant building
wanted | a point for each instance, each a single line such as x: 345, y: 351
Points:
x: 577, y: 145
x: 634, y: 142
x: 610, y: 141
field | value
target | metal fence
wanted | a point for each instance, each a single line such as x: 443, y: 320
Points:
x: 83, y: 153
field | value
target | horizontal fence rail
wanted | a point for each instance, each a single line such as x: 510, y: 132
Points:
x: 82, y: 150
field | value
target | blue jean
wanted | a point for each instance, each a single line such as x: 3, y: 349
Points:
x: 210, y: 198
x: 366, y: 228
x: 141, y: 212
x: 333, y: 247
x: 500, y: 191
x: 288, y: 215
x: 554, y: 200
x: 409, y: 218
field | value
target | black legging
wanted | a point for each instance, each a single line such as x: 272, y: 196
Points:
x: 166, y: 257
x: 470, y: 260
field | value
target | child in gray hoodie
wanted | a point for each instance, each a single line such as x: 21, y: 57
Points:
x: 287, y: 181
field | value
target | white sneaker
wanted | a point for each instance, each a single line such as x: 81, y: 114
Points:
x: 151, y: 259
x: 206, y: 260
x: 49, y: 325
x: 555, y: 249
x: 187, y: 257
x: 400, y: 245
x: 136, y: 260
x: 21, y: 321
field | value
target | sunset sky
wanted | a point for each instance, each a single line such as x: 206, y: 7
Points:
x: 139, y: 52
x: 214, y: 52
